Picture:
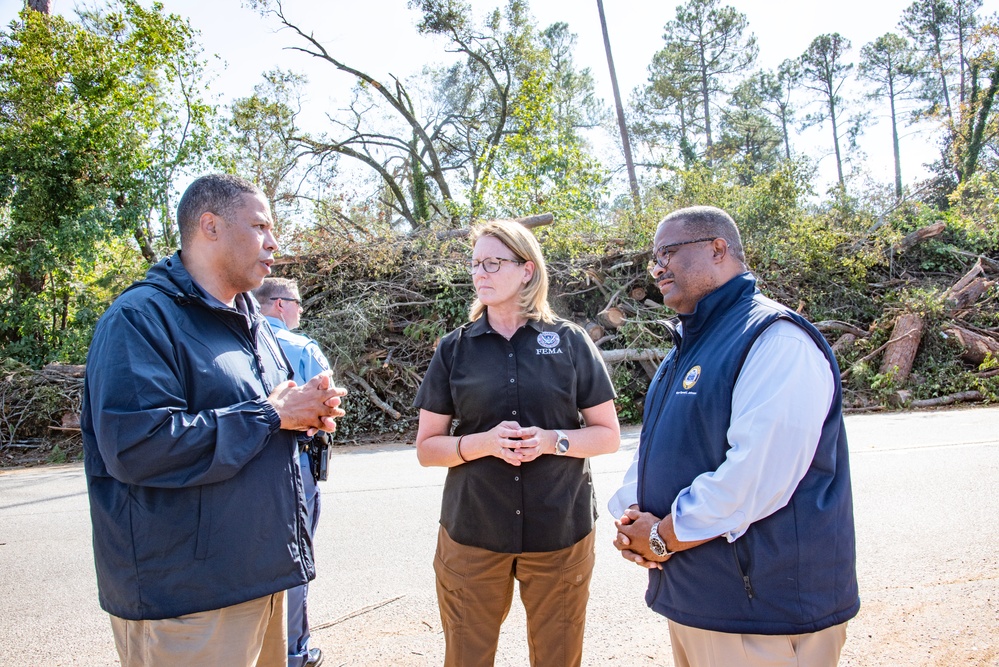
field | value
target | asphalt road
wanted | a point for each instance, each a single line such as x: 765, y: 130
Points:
x: 925, y: 487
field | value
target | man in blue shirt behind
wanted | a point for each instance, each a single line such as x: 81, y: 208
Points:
x: 281, y: 304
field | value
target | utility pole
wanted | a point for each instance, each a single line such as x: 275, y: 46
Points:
x: 629, y: 163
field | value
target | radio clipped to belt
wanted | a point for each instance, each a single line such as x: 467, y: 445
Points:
x: 318, y: 448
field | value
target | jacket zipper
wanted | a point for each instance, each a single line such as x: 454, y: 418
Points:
x: 746, y: 583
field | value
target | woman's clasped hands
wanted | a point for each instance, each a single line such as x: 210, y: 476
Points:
x: 515, y: 444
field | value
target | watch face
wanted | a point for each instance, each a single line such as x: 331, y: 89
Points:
x: 658, y: 547
x: 563, y: 445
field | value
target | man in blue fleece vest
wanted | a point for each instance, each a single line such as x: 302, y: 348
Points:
x: 739, y: 500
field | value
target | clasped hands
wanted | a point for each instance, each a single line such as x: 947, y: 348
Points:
x: 311, y: 407
x: 515, y: 444
x: 632, y: 540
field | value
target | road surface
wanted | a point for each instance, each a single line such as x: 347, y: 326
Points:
x: 926, y: 492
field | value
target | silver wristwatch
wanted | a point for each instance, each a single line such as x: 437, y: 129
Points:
x: 657, y: 543
x: 561, y: 443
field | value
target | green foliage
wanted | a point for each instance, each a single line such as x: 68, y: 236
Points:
x: 89, y: 140
x: 544, y: 165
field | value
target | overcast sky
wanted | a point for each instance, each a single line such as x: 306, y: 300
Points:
x: 379, y: 37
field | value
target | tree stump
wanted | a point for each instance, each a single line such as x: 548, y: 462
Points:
x: 902, y: 347
x: 638, y: 293
x: 594, y: 331
x: 612, y: 318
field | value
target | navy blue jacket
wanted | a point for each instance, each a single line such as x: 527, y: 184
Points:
x: 195, y: 496
x: 791, y: 572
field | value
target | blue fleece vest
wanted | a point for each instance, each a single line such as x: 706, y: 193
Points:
x: 791, y: 572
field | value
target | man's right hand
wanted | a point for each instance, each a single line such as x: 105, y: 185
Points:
x: 312, y: 407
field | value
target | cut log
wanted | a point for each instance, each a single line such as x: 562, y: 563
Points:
x: 968, y: 289
x: 594, y: 331
x: 843, y: 342
x: 966, y: 279
x: 836, y: 325
x: 612, y: 318
x: 530, y: 222
x: 64, y: 370
x: 649, y: 367
x: 902, y: 348
x: 649, y: 354
x: 976, y: 346
x: 920, y: 235
x: 967, y: 295
x: 947, y: 400
x: 638, y: 293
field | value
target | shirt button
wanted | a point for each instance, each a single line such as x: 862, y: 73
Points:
x: 517, y: 478
x: 512, y: 380
x: 510, y: 355
x: 513, y: 412
x: 518, y: 511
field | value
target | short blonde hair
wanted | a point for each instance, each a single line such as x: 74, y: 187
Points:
x: 521, y: 242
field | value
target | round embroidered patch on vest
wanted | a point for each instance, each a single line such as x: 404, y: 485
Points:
x: 692, y: 376
x: 548, y: 339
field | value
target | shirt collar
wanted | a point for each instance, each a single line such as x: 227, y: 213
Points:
x: 276, y: 323
x: 481, y: 326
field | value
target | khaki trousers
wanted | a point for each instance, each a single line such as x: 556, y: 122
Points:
x: 475, y: 588
x: 250, y: 634
x: 693, y: 647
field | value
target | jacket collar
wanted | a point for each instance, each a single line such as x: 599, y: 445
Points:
x: 170, y: 276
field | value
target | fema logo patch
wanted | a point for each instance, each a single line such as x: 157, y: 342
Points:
x: 692, y: 376
x: 548, y: 339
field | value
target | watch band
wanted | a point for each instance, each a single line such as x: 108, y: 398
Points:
x: 656, y: 543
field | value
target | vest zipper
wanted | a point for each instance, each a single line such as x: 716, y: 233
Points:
x: 746, y: 583
x: 677, y: 342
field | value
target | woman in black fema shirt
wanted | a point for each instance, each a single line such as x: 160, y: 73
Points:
x: 518, y: 501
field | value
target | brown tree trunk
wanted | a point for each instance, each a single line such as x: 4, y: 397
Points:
x: 976, y: 346
x: 921, y: 234
x: 901, y: 351
x: 968, y: 289
x: 43, y: 6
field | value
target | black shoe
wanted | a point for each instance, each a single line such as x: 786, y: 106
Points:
x: 315, y: 658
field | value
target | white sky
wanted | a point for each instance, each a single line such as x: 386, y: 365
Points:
x: 379, y: 37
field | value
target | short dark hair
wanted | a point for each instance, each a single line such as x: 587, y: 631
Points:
x: 704, y: 221
x: 220, y: 194
x: 275, y: 287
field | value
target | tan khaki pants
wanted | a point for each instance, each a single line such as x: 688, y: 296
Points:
x: 250, y: 634
x: 475, y: 588
x: 693, y: 647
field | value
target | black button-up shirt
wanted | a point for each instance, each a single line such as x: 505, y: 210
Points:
x: 541, y: 377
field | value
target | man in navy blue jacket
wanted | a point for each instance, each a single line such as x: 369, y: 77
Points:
x: 739, y: 501
x: 189, y: 427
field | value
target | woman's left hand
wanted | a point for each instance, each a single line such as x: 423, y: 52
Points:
x: 531, y: 444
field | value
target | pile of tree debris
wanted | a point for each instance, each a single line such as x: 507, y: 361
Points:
x: 379, y: 308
